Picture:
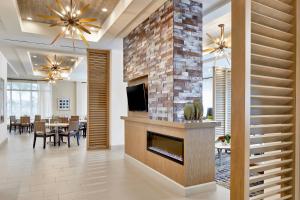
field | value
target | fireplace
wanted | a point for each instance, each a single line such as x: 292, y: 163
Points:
x: 169, y: 147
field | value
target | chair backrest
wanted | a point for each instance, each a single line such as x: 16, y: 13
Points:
x: 63, y: 120
x: 40, y: 126
x: 25, y: 120
x: 53, y: 121
x: 12, y: 119
x: 37, y: 118
x: 74, y: 126
x: 74, y: 118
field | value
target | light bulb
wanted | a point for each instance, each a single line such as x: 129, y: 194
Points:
x: 63, y: 12
x: 78, y: 12
x: 63, y: 28
x: 67, y: 32
x: 68, y: 9
x: 73, y: 28
x: 74, y: 14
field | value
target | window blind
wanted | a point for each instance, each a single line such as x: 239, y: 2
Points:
x: 222, y: 99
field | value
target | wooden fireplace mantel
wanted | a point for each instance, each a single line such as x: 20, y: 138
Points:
x: 199, y: 156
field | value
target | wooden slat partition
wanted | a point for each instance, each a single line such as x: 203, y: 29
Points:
x: 240, y: 98
x: 268, y: 60
x: 98, y: 99
x: 268, y: 116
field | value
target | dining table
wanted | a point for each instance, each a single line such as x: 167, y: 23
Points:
x: 56, y: 127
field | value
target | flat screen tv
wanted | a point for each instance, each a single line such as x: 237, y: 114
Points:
x: 137, y: 97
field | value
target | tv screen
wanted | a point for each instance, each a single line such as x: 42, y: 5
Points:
x: 137, y: 98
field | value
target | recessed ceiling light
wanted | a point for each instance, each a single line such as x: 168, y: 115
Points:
x: 73, y: 60
x: 104, y: 9
x: 34, y: 56
x: 29, y: 18
x: 35, y: 64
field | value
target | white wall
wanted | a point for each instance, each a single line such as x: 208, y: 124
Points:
x: 3, y: 74
x: 64, y: 89
x: 118, y: 98
x: 81, y: 99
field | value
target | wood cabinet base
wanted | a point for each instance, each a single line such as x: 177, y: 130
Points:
x: 199, y: 157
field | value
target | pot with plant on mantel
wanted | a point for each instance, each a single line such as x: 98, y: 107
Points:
x: 193, y: 111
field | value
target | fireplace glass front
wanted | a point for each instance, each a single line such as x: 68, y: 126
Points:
x: 167, y: 146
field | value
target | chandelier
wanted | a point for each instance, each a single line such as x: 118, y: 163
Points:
x: 221, y: 43
x: 54, y: 69
x: 69, y: 18
x: 52, y: 78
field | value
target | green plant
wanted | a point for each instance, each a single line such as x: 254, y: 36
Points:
x: 198, y: 109
x: 227, y: 138
x: 189, y: 111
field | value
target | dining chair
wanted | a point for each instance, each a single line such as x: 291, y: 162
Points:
x: 52, y: 121
x: 63, y: 120
x: 40, y: 131
x: 13, y: 123
x: 73, y: 130
x: 24, y: 123
x: 37, y: 118
x: 82, y: 127
x: 74, y: 118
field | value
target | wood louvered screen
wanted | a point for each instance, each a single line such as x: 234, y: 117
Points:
x: 98, y: 99
x: 222, y: 99
x: 264, y: 71
x: 272, y: 100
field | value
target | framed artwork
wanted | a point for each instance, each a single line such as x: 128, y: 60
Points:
x: 2, y: 92
x: 63, y: 104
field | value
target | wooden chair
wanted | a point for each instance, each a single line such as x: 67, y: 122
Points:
x: 13, y: 123
x: 82, y: 128
x: 24, y: 123
x: 37, y: 118
x: 74, y: 118
x: 73, y: 130
x: 40, y: 131
x: 63, y: 120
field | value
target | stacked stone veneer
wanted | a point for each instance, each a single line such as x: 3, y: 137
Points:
x: 168, y: 48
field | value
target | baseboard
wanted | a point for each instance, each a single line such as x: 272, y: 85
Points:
x: 117, y: 147
x: 3, y: 141
x: 169, y: 183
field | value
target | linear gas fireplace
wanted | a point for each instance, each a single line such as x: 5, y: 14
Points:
x: 167, y: 146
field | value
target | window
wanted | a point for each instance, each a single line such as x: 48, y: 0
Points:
x: 207, y: 91
x: 222, y: 99
x: 29, y: 98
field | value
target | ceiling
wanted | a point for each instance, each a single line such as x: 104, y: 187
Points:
x: 21, y: 38
x: 38, y: 59
x: 30, y: 9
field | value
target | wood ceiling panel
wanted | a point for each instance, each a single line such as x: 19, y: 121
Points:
x: 32, y: 8
x: 40, y: 59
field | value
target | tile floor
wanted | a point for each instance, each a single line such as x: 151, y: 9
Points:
x: 59, y: 173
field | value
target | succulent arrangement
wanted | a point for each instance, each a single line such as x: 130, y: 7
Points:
x: 193, y: 111
x: 189, y: 111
